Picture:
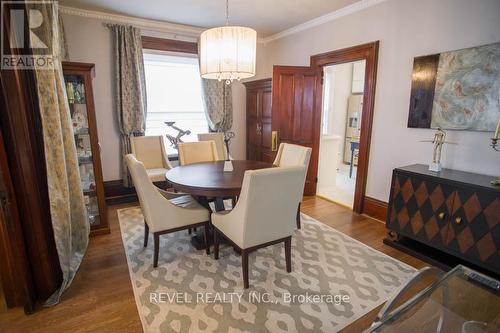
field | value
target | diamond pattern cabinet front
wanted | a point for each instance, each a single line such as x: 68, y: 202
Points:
x: 475, y: 227
x: 453, y: 211
x: 420, y: 209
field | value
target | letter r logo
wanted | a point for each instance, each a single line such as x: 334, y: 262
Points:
x: 35, y: 20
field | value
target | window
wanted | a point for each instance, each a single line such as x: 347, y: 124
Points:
x: 174, y: 93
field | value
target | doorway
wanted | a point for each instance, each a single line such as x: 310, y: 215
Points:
x: 345, y: 130
x: 342, y: 111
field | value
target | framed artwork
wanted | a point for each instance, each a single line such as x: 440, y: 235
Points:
x: 457, y: 90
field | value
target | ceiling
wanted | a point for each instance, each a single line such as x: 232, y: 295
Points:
x: 268, y: 17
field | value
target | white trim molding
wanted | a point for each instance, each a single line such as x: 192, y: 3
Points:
x: 153, y: 28
x: 163, y: 29
x: 355, y: 7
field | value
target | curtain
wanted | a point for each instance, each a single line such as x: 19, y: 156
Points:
x: 63, y: 45
x: 130, y: 89
x: 67, y: 207
x: 217, y: 100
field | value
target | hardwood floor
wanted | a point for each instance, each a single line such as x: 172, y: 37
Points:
x: 99, y: 300
x: 101, y: 297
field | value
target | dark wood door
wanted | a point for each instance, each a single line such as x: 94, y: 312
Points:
x: 266, y: 97
x: 294, y: 115
x: 259, y: 118
x: 15, y: 272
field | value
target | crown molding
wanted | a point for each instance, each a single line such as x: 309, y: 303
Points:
x: 355, y: 7
x: 156, y: 28
x: 153, y: 28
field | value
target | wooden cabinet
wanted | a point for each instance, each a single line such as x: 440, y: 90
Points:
x: 78, y: 81
x: 452, y: 211
x: 259, y: 120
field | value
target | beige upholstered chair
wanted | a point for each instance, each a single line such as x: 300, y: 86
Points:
x: 218, y: 138
x: 264, y: 214
x: 150, y: 150
x: 196, y: 152
x: 293, y: 155
x: 162, y: 215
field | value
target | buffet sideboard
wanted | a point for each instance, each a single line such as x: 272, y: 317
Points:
x: 452, y: 211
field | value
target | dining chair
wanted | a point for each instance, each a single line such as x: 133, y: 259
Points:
x: 150, y: 150
x: 263, y: 215
x: 293, y: 155
x: 161, y: 214
x: 218, y: 138
x: 196, y: 152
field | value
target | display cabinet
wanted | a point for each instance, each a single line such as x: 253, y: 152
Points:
x: 78, y: 82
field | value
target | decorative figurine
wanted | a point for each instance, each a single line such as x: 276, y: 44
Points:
x: 438, y: 141
x: 175, y: 140
x: 228, y: 165
x: 228, y: 136
x: 70, y: 92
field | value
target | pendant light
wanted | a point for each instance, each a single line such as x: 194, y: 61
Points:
x: 228, y: 53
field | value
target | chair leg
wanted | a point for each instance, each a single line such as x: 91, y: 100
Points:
x: 216, y: 244
x: 244, y: 266
x: 157, y: 249
x: 146, y: 234
x: 298, y: 217
x: 288, y: 254
x: 207, y: 243
x: 190, y: 231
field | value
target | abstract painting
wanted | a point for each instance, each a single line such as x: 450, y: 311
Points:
x: 457, y: 90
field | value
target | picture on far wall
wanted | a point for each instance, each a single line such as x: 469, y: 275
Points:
x: 457, y: 90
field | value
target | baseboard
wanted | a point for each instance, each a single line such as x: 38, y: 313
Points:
x: 117, y: 194
x: 375, y: 208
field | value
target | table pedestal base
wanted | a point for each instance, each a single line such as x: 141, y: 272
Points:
x: 198, y: 240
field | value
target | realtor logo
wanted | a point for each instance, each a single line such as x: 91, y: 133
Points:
x: 31, y: 34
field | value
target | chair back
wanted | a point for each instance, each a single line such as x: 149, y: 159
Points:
x: 292, y: 155
x: 267, y: 205
x: 196, y: 152
x: 218, y: 138
x: 150, y: 150
x: 153, y: 204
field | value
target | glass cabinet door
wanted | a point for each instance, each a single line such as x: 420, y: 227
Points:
x: 75, y: 90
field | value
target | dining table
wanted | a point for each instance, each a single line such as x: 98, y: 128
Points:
x: 208, y: 182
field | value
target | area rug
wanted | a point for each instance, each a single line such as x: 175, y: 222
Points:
x: 334, y: 281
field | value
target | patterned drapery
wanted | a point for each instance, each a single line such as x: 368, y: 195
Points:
x: 67, y: 207
x: 130, y: 90
x: 217, y: 100
x: 63, y: 45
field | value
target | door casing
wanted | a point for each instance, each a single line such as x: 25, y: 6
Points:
x: 369, y: 53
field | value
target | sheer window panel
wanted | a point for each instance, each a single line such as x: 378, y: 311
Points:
x: 174, y: 93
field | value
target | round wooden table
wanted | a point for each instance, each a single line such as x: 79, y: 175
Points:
x: 208, y: 180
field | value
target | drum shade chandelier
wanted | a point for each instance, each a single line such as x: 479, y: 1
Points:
x: 228, y: 53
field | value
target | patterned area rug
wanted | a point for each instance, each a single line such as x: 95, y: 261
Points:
x: 334, y: 281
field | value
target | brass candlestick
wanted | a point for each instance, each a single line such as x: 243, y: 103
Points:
x: 494, y: 145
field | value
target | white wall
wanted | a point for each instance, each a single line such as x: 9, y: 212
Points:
x: 90, y: 41
x: 405, y: 29
x: 340, y: 90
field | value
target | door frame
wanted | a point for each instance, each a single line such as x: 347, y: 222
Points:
x: 369, y: 53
